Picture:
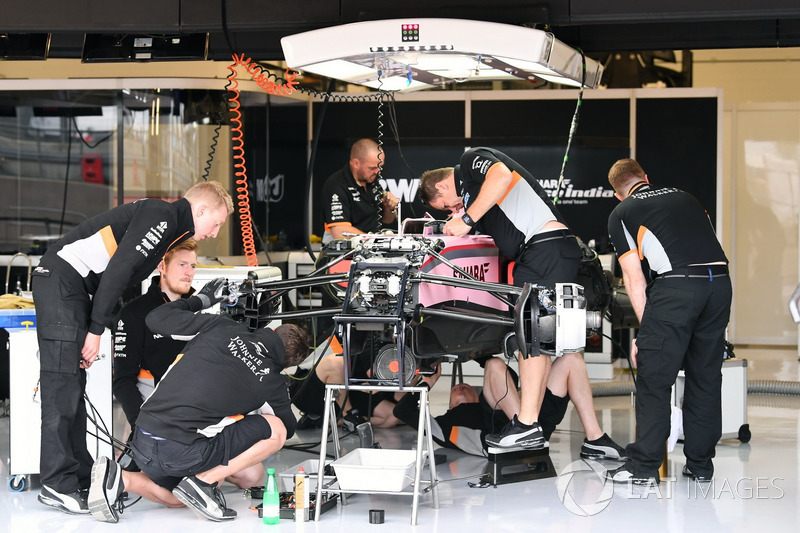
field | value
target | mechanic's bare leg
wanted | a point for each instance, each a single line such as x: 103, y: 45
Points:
x: 568, y: 376
x: 498, y: 387
x: 331, y: 371
x: 383, y: 415
x: 139, y: 483
x: 252, y: 476
x: 533, y: 374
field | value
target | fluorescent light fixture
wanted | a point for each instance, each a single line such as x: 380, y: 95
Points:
x: 409, y: 54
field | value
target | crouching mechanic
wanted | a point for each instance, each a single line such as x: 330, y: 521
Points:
x: 193, y: 431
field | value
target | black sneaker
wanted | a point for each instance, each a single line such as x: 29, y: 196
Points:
x: 352, y: 420
x: 516, y: 434
x: 71, y: 503
x: 603, y: 448
x: 700, y: 478
x: 204, y: 499
x: 624, y: 474
x: 106, y: 489
x: 308, y: 421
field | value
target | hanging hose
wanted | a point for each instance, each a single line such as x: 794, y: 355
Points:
x: 245, y: 219
x: 237, y: 139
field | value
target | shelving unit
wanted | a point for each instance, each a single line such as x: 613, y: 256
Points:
x: 424, y: 447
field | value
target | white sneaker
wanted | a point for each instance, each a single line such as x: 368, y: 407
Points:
x: 72, y: 503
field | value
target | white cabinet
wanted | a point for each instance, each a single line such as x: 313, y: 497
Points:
x: 25, y: 409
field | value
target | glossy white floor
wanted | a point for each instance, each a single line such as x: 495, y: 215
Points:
x: 755, y: 486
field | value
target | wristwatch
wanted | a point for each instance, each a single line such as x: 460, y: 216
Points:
x: 467, y: 219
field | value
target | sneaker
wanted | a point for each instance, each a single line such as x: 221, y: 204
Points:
x: 603, y: 448
x: 352, y: 420
x: 106, y: 489
x: 516, y: 434
x: 308, y: 421
x: 700, y: 478
x: 72, y: 503
x: 624, y: 474
x: 204, y: 499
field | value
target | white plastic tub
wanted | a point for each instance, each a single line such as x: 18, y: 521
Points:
x: 374, y: 469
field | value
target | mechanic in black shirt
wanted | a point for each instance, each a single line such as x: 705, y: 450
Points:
x: 76, y: 286
x: 141, y: 357
x: 496, y: 195
x: 194, y: 430
x: 682, y: 314
x: 353, y: 200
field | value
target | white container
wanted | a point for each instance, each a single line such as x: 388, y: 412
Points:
x: 375, y: 469
x: 286, y: 477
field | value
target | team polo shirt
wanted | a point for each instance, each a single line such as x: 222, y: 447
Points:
x: 666, y: 226
x: 522, y: 211
x: 344, y: 202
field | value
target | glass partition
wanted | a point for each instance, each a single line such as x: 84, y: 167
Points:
x: 63, y: 160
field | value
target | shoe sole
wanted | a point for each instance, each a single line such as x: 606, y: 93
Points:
x: 200, y: 510
x: 55, y: 504
x: 602, y: 455
x: 531, y: 444
x: 99, y: 506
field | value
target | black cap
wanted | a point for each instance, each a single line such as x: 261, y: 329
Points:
x: 376, y: 516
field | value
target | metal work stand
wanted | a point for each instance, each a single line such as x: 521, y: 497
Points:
x: 517, y: 464
x: 424, y: 438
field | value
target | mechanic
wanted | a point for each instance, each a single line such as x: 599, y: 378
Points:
x: 141, y: 357
x: 194, y: 430
x: 353, y: 200
x: 682, y: 316
x: 76, y: 287
x: 494, y: 194
x: 472, y: 415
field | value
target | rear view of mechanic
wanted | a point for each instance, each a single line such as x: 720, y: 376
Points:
x: 682, y: 314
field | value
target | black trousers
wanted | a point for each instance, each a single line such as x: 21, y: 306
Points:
x: 62, y: 315
x: 683, y: 326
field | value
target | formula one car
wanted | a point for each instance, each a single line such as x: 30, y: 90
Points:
x: 420, y: 297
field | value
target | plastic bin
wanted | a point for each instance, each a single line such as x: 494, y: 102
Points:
x: 375, y: 469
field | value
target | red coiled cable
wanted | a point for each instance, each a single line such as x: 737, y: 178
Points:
x: 237, y: 140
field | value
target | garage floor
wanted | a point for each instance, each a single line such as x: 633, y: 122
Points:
x: 755, y: 485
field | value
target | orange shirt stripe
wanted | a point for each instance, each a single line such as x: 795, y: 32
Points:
x: 514, y: 180
x: 108, y: 240
x: 639, y: 238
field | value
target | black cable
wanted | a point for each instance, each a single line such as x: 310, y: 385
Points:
x: 66, y: 177
x: 83, y: 139
x: 573, y: 127
x: 310, y: 171
x: 626, y: 355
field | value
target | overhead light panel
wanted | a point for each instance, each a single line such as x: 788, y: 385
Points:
x: 113, y: 48
x: 409, y: 54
